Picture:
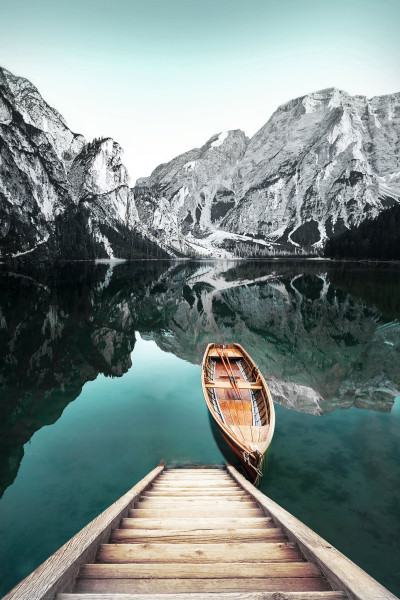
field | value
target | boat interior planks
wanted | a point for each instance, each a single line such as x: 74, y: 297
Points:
x: 239, y: 401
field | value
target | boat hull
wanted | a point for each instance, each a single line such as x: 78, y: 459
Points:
x: 239, y: 401
x: 253, y: 476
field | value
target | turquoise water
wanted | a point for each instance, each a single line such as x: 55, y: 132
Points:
x: 101, y: 380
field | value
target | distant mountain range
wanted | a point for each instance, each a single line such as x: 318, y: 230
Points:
x: 322, y: 164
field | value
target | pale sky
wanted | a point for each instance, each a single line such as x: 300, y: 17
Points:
x: 162, y: 76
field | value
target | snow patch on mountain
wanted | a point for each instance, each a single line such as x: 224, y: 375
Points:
x: 220, y: 140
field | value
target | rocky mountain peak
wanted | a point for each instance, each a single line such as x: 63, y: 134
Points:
x: 26, y: 99
x: 98, y: 169
x: 58, y: 194
x: 322, y: 163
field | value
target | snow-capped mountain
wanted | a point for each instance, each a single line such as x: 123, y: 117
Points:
x: 59, y: 195
x: 322, y: 163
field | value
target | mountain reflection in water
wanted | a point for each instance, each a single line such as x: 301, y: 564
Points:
x: 325, y: 336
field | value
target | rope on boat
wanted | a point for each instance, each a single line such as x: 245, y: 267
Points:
x: 246, y: 458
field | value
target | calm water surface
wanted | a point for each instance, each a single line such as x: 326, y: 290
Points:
x: 100, y: 380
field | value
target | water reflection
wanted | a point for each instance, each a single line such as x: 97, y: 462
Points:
x: 325, y: 336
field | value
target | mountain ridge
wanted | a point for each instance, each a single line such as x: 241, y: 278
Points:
x: 323, y: 163
x: 317, y: 167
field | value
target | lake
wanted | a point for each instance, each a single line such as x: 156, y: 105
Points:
x: 100, y: 380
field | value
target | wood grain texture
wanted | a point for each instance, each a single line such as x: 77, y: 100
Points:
x: 198, y: 553
x: 197, y: 478
x: 190, y: 496
x: 216, y: 586
x: 188, y: 491
x: 199, y: 571
x: 197, y: 474
x: 184, y: 503
x: 342, y: 573
x: 58, y: 572
x: 228, y: 524
x: 159, y: 513
x: 329, y: 595
x: 195, y: 483
x: 198, y: 536
x: 242, y: 385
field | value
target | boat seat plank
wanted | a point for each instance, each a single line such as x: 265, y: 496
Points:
x: 228, y: 352
x: 242, y: 385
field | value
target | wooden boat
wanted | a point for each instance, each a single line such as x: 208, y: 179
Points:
x: 238, y: 399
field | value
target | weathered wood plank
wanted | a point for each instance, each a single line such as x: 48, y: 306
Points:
x: 199, y: 474
x: 198, y: 536
x: 199, y: 571
x: 329, y: 595
x: 192, y: 524
x: 160, y: 513
x: 217, y: 485
x: 183, y: 503
x: 195, y: 479
x: 57, y: 573
x: 195, y: 475
x: 183, y: 492
x: 197, y: 469
x: 209, y: 478
x: 201, y: 585
x: 188, y: 500
x: 242, y: 385
x: 193, y: 495
x: 342, y: 573
x: 198, y: 553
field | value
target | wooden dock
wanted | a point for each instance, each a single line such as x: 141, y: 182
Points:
x: 197, y: 534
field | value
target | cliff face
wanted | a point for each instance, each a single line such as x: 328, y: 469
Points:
x: 322, y: 163
x: 59, y: 196
x: 34, y: 143
x: 183, y: 201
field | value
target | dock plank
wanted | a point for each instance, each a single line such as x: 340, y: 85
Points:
x: 198, y: 523
x: 199, y: 571
x: 199, y: 553
x: 199, y: 536
x: 328, y: 595
x: 159, y: 513
x: 215, y: 586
